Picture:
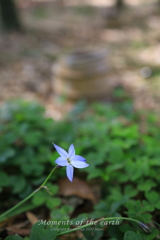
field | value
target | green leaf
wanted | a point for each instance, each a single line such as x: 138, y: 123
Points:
x: 5, y: 155
x: 93, y: 232
x: 18, y: 183
x: 157, y: 205
x: 38, y: 181
x: 53, y: 202
x: 33, y: 138
x: 126, y: 227
x: 42, y: 232
x: 25, y: 192
x: 115, y: 232
x: 14, y: 237
x: 132, y: 236
x: 116, y: 194
x: 130, y: 191
x: 116, y: 205
x: 123, y: 178
x: 135, y: 209
x: 152, y: 196
x: 150, y: 236
x: 67, y: 209
x: 148, y: 207
x: 62, y: 213
x: 146, y: 185
x: 52, y: 188
x: 116, y: 154
x: 33, y: 168
x: 154, y: 200
x: 4, y: 179
x: 59, y: 214
x: 39, y: 198
x: 96, y: 173
x: 146, y: 217
x: 79, y: 218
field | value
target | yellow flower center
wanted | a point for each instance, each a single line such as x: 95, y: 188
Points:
x: 68, y: 160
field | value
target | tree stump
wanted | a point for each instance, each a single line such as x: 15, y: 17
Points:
x: 82, y: 74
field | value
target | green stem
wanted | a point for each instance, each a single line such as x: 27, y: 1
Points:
x: 3, y: 216
x: 104, y: 219
x: 46, y: 180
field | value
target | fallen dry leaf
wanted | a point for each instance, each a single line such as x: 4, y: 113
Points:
x: 3, y: 224
x: 19, y: 228
x: 23, y: 232
x: 77, y: 188
x: 32, y: 217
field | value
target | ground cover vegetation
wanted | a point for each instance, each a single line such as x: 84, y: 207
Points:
x: 120, y: 145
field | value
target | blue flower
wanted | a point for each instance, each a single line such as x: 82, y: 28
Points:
x: 69, y: 160
x: 144, y: 227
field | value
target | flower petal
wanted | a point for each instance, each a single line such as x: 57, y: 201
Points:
x: 61, y: 151
x: 79, y: 158
x: 71, y: 151
x: 79, y: 164
x: 61, y: 161
x: 69, y: 171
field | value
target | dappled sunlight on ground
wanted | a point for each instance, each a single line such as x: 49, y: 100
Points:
x: 132, y: 38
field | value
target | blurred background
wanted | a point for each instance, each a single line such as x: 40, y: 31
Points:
x: 85, y: 72
x: 35, y: 34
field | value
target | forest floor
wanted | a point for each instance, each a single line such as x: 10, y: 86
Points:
x: 132, y: 37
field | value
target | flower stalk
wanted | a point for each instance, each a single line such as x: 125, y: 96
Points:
x: 104, y: 219
x: 4, y: 215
